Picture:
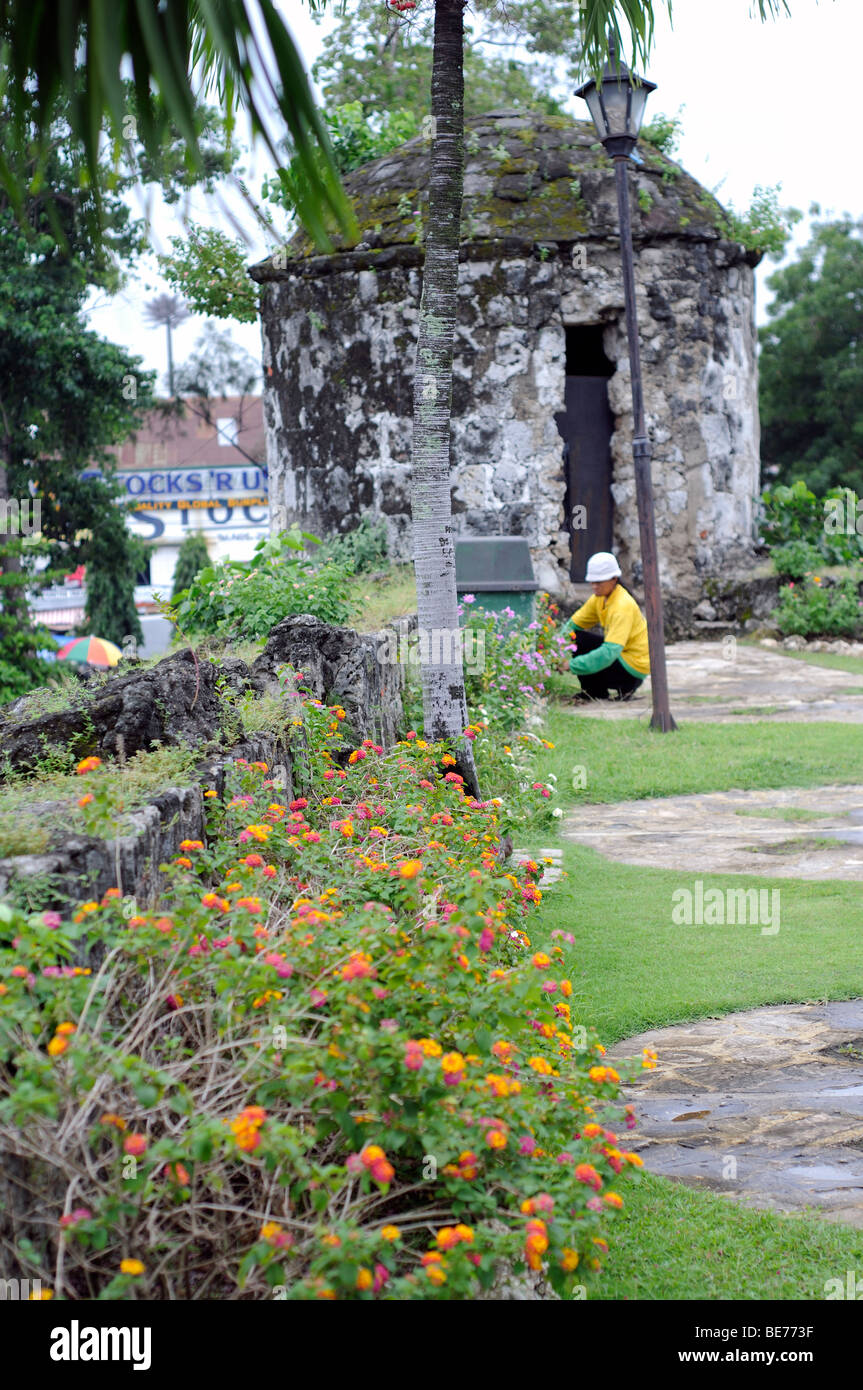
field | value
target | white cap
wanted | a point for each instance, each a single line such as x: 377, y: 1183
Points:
x: 601, y: 566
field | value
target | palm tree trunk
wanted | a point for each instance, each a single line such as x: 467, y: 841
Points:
x: 444, y: 701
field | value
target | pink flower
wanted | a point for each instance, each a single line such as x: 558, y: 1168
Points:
x: 73, y: 1217
x: 355, y: 1164
x: 526, y: 1145
x: 486, y: 939
x: 51, y: 919
x: 317, y: 997
x: 382, y: 1275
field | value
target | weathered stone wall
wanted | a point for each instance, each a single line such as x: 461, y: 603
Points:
x: 177, y: 702
x: 340, y: 334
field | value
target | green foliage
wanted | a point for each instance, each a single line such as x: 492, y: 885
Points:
x: 764, y: 227
x: 506, y: 663
x: 246, y: 598
x: 828, y: 524
x: 174, y: 53
x: 382, y: 61
x: 392, y: 1008
x: 192, y: 557
x: 796, y: 559
x: 819, y: 608
x: 810, y: 365
x: 663, y: 133
x: 361, y: 551
x: 85, y: 394
x: 115, y: 559
x: 209, y: 269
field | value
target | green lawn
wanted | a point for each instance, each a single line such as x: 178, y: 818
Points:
x: 671, y: 1242
x: 834, y: 661
x: 625, y: 760
x: 633, y: 968
x: 378, y: 601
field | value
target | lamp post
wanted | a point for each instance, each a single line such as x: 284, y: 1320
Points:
x: 616, y: 104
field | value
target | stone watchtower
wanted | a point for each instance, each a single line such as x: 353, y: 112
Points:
x: 541, y: 403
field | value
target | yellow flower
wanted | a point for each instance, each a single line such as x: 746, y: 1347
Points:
x: 43, y: 1294
x: 131, y: 1267
x: 390, y: 1233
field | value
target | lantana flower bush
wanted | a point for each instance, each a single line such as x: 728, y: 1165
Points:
x: 335, y: 1062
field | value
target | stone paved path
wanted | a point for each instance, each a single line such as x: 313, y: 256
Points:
x: 815, y: 833
x: 765, y: 1106
x: 728, y: 682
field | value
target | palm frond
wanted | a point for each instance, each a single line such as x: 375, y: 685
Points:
x: 632, y: 24
x: 171, y: 49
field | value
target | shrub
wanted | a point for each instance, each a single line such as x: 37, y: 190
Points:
x: 815, y: 609
x: 332, y: 1063
x: 796, y: 559
x: 506, y: 677
x: 247, y: 598
x: 794, y: 513
x: 361, y: 551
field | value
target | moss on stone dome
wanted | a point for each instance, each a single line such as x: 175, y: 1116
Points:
x: 528, y: 176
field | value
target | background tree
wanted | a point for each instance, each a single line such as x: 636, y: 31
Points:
x: 811, y: 362
x: 192, y: 557
x: 167, y: 311
x: 67, y: 395
x: 383, y: 61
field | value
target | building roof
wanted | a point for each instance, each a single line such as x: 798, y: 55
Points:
x: 166, y: 439
x: 530, y: 178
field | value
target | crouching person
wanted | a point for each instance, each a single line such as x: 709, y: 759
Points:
x: 619, y: 660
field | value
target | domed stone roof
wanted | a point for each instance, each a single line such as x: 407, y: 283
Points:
x: 530, y: 179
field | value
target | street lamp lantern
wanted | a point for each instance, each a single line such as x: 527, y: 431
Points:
x: 617, y: 104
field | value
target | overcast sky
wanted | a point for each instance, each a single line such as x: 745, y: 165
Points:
x: 762, y: 104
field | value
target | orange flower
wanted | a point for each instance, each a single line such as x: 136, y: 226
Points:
x: 566, y: 987
x: 390, y: 1233
x: 365, y: 1279
x: 569, y: 1260
x: 496, y: 1139
x: 410, y: 868
x: 85, y: 800
x: 57, y: 1046
x: 88, y: 765
x: 131, y: 1267
x: 541, y: 960
x: 613, y: 1199
x: 135, y: 1144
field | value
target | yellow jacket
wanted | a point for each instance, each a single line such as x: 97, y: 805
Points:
x: 624, y: 630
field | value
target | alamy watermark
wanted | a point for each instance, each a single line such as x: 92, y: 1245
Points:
x: 435, y: 647
x: 726, y: 907
x: 20, y: 518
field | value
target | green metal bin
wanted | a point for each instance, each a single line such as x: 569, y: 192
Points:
x: 498, y: 571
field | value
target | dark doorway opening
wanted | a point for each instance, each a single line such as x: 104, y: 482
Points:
x: 586, y: 427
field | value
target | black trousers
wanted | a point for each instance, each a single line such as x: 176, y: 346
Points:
x: 599, y: 684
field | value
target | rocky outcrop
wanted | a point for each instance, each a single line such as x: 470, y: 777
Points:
x: 173, y: 703
x: 178, y: 702
x: 340, y: 666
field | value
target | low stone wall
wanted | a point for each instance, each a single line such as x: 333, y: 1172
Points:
x: 177, y: 702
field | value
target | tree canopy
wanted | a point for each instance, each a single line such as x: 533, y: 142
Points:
x: 811, y: 363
